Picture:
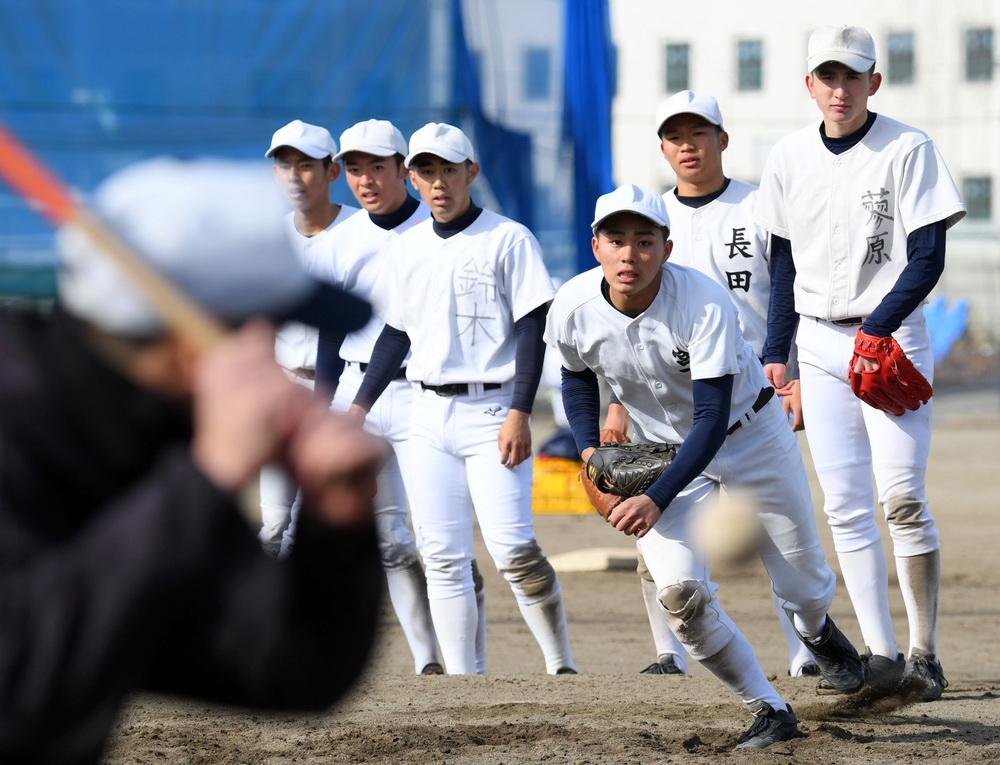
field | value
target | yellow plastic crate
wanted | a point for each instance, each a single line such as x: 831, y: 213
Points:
x: 557, y: 489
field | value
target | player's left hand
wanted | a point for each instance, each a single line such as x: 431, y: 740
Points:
x: 514, y: 439
x: 791, y: 403
x: 635, y: 516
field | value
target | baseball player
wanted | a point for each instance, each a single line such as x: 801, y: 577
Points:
x: 666, y: 339
x: 857, y: 206
x: 372, y: 153
x: 466, y: 294
x: 713, y: 231
x: 304, y: 168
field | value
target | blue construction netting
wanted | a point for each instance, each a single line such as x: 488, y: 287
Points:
x: 93, y: 85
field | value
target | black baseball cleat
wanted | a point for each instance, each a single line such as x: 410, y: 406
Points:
x: 880, y: 672
x: 566, y: 671
x: 665, y: 665
x: 769, y: 727
x: 838, y: 661
x: 432, y: 669
x: 927, y: 668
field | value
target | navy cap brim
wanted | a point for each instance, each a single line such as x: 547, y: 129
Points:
x: 331, y: 308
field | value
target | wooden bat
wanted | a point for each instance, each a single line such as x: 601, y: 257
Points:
x: 48, y: 195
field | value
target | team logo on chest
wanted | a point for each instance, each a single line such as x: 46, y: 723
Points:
x: 683, y: 359
x: 476, y: 297
x: 876, y: 204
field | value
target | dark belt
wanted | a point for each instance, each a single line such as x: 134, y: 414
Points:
x: 854, y: 321
x: 400, y: 375
x: 763, y: 397
x: 457, y: 389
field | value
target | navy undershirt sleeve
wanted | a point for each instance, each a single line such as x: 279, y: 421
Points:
x: 388, y: 356
x: 529, y: 357
x: 581, y: 398
x: 329, y: 365
x: 782, y: 320
x: 712, y: 403
x: 925, y: 263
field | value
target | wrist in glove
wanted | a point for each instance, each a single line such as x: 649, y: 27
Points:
x: 896, y: 386
x: 617, y: 471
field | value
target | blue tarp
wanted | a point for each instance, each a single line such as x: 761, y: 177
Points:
x: 588, y: 89
x: 93, y: 85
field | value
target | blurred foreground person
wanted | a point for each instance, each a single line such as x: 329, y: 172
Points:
x: 125, y: 563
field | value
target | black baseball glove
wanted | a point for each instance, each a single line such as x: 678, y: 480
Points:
x: 627, y: 470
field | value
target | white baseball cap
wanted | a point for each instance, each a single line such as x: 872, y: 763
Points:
x: 631, y: 198
x: 439, y: 139
x: 312, y: 140
x: 851, y: 46
x: 689, y: 102
x: 377, y: 137
x: 216, y: 230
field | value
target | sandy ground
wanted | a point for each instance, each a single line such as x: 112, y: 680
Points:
x: 610, y: 713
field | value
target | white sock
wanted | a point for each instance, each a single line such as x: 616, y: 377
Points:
x: 480, y: 627
x: 455, y: 622
x: 920, y: 582
x: 737, y: 668
x: 664, y: 639
x: 798, y: 655
x: 547, y: 621
x: 408, y: 593
x: 867, y: 578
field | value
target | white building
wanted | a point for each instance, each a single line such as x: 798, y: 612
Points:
x: 939, y: 64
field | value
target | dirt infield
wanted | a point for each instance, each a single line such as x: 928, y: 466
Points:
x: 611, y: 714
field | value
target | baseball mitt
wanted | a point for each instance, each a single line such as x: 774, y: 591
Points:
x: 603, y: 503
x: 896, y: 386
x: 627, y: 470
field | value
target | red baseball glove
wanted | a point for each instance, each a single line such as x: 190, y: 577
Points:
x: 603, y: 503
x: 896, y: 386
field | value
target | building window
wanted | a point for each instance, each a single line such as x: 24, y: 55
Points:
x: 678, y: 68
x: 900, y: 68
x: 750, y: 55
x: 979, y: 55
x: 978, y: 193
x: 537, y: 74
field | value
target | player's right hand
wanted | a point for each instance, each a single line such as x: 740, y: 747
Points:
x: 775, y: 374
x: 635, y: 516
x: 335, y: 462
x: 244, y: 407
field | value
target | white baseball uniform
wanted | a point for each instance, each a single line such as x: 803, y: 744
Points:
x: 847, y: 217
x: 356, y: 268
x: 295, y: 351
x: 722, y: 240
x: 457, y: 298
x: 650, y: 361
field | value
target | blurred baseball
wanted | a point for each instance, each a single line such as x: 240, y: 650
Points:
x: 728, y: 531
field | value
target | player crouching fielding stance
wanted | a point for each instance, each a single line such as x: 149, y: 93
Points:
x: 667, y: 341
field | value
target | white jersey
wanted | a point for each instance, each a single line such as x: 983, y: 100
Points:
x: 721, y: 240
x: 361, y: 249
x: 458, y: 298
x: 848, y: 215
x: 295, y: 344
x: 651, y: 360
